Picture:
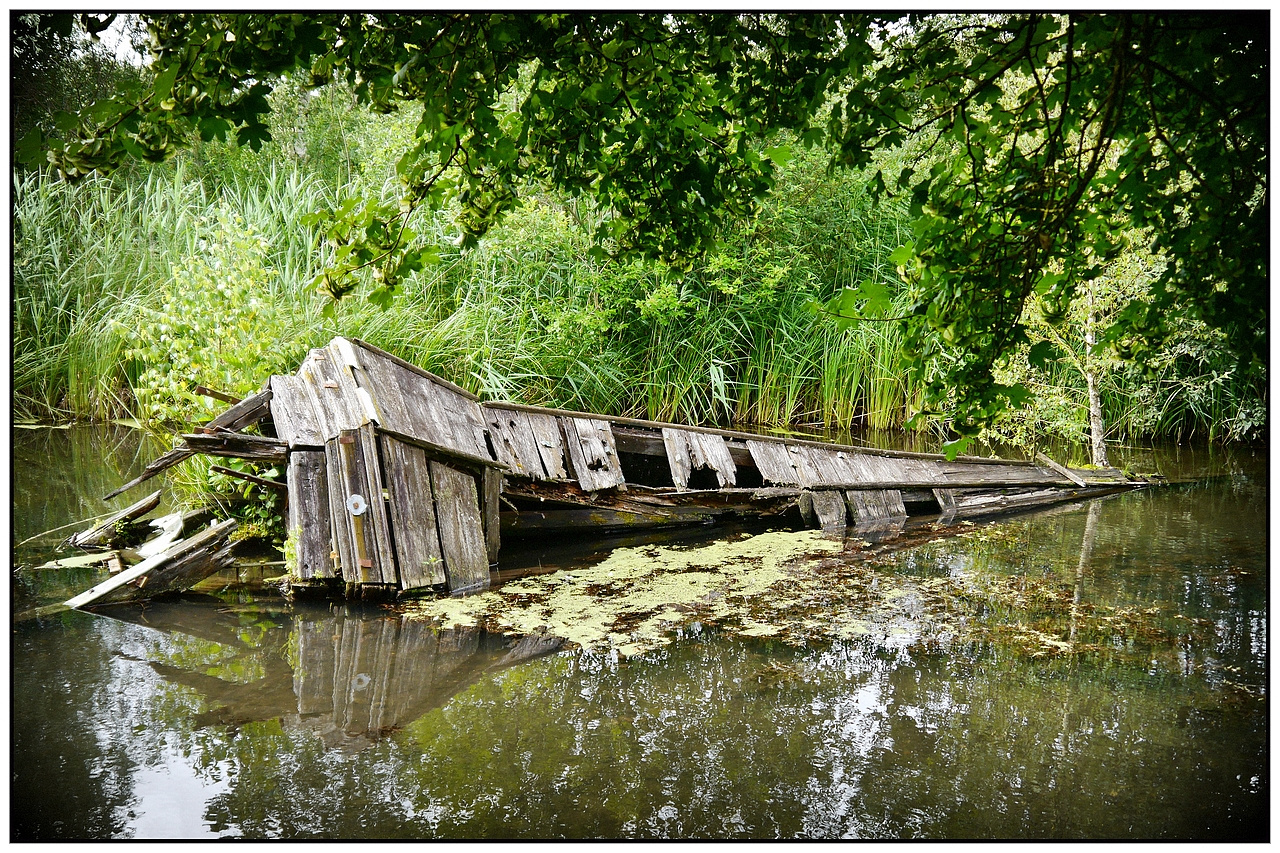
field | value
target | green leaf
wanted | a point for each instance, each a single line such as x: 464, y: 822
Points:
x: 1047, y: 281
x: 1042, y: 353
x: 903, y: 255
x: 163, y: 86
x: 780, y: 154
x: 952, y: 449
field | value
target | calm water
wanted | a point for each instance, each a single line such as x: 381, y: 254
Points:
x: 240, y: 714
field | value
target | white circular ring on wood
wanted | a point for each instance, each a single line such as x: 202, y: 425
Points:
x: 361, y: 681
x: 356, y: 505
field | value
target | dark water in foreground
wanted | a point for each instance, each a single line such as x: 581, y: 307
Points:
x: 240, y: 714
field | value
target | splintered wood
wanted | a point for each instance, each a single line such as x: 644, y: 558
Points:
x: 689, y: 451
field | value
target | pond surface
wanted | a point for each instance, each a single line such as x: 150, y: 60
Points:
x: 1092, y: 671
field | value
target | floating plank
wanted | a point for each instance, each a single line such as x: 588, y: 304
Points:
x: 407, y: 472
x: 466, y: 560
x: 988, y: 502
x: 292, y: 414
x: 546, y: 432
x: 592, y: 453
x: 182, y: 565
x: 104, y: 532
x: 79, y: 561
x: 308, y: 522
x: 169, y: 529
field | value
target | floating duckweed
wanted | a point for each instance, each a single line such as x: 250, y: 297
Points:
x: 632, y: 600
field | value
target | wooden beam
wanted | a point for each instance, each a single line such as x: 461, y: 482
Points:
x: 237, y: 445
x: 1075, y: 478
x: 217, y: 395
x: 104, y: 532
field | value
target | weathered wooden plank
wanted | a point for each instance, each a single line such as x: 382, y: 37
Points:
x: 104, y: 532
x: 592, y: 453
x: 514, y: 442
x: 972, y: 504
x: 342, y: 356
x: 709, y: 451
x: 867, y: 506
x: 829, y: 507
x: 413, y: 516
x: 466, y: 559
x: 395, y: 407
x: 490, y: 500
x: 383, y: 355
x: 464, y: 419
x: 167, y: 460
x: 183, y: 564
x: 467, y: 460
x: 339, y: 528
x: 1045, y: 460
x: 308, y: 516
x: 321, y: 384
x: 774, y: 462
x: 360, y: 514
x: 247, y: 412
x: 430, y: 411
x: 745, y: 436
x: 235, y: 445
x: 677, y: 457
x: 998, y: 475
x: 807, y: 468
x: 292, y: 414
x: 546, y: 432
x: 946, y: 503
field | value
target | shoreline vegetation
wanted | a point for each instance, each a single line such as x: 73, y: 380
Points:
x: 130, y: 290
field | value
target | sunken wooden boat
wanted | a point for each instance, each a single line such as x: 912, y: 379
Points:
x: 399, y: 480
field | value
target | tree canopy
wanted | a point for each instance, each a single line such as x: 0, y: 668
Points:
x: 1036, y: 141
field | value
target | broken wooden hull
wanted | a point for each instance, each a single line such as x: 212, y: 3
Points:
x: 399, y: 480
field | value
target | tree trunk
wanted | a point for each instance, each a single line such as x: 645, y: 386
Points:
x: 1097, y: 428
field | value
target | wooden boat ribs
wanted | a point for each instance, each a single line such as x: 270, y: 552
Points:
x: 399, y: 480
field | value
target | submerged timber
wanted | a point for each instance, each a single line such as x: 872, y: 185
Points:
x: 399, y: 480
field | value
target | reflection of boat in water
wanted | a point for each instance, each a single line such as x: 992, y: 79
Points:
x: 399, y: 480
x: 351, y: 677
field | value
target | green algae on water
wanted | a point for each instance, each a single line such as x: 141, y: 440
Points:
x: 633, y: 600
